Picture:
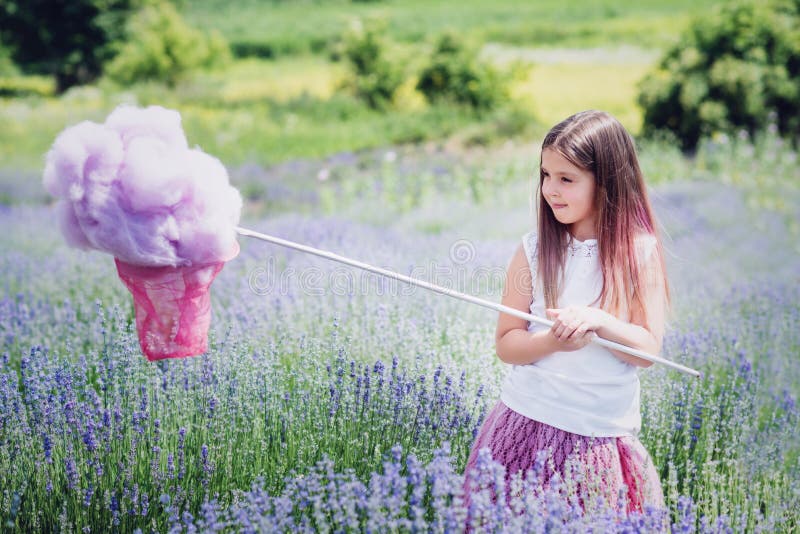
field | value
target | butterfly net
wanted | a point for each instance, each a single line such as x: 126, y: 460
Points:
x: 172, y: 306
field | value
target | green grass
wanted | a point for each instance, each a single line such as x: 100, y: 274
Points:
x: 277, y: 28
x: 271, y: 111
x: 251, y: 80
x: 552, y: 92
x: 267, y: 112
x: 263, y: 131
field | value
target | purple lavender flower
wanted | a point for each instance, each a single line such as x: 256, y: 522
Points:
x: 206, y: 465
x: 686, y: 521
x: 181, y: 465
x: 72, y: 472
x: 87, y: 497
x: 48, y: 448
x: 89, y: 438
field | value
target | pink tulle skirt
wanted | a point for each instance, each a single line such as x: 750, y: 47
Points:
x: 607, y: 464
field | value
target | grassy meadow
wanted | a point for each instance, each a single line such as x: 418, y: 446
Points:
x: 281, y: 28
x: 270, y: 107
x: 332, y: 400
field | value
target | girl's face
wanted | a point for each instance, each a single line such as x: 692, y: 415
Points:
x: 569, y: 191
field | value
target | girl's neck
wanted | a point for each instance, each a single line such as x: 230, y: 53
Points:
x: 583, y: 229
x: 583, y: 236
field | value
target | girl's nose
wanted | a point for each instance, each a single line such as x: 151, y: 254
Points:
x: 548, y: 190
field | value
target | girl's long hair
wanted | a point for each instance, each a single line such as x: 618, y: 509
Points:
x: 595, y: 141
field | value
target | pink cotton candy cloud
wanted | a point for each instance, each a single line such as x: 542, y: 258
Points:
x: 132, y: 187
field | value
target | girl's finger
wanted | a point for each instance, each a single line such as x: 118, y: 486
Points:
x: 579, y: 332
x: 558, y: 330
x: 566, y: 333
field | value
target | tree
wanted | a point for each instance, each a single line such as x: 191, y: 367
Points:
x: 374, y: 78
x: 68, y: 39
x: 455, y: 73
x: 735, y: 70
x: 159, y: 45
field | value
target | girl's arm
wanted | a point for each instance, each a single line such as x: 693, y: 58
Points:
x: 513, y: 343
x: 646, y: 335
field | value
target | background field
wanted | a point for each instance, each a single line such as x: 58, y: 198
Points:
x: 270, y: 110
x: 291, y: 27
x: 333, y: 399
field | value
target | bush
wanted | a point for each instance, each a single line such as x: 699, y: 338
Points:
x: 730, y: 72
x: 374, y: 78
x: 67, y: 40
x: 19, y: 86
x: 160, y: 46
x: 455, y: 74
x: 7, y: 66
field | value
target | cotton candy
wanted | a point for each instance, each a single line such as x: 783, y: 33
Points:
x: 137, y: 191
x: 133, y: 188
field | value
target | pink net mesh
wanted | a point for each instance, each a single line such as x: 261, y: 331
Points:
x: 172, y: 306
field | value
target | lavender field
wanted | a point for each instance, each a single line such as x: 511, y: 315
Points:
x: 331, y: 400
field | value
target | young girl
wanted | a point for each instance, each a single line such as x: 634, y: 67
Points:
x: 594, y: 266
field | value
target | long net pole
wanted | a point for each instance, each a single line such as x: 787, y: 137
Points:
x: 462, y: 296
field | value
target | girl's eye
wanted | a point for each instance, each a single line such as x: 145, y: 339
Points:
x: 566, y: 180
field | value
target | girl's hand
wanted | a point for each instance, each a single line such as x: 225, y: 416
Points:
x: 573, y: 343
x: 574, y: 327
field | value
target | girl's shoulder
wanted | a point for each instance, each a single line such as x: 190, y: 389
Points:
x: 530, y: 242
x: 530, y: 239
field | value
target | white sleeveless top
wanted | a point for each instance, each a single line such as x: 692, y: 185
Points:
x: 588, y: 391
